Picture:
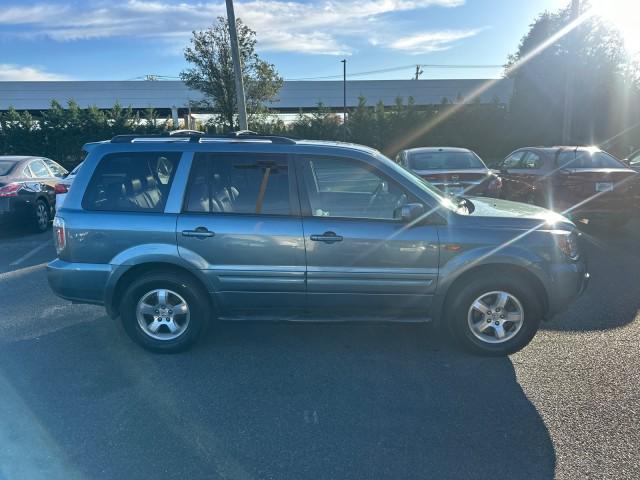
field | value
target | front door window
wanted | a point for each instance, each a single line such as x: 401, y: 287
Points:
x: 346, y: 188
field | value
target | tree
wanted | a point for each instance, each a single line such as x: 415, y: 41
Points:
x: 604, y: 89
x: 209, y: 54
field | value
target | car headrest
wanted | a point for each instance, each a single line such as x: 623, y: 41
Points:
x: 136, y: 185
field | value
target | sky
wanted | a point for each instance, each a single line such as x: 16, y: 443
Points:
x: 128, y: 39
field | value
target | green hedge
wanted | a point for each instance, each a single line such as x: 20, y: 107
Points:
x: 488, y: 129
x: 59, y: 133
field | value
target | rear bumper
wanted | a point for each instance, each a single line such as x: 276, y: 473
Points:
x: 568, y: 282
x: 78, y: 282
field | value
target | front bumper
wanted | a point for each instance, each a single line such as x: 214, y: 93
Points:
x: 78, y: 282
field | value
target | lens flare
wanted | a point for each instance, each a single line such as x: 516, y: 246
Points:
x: 623, y: 15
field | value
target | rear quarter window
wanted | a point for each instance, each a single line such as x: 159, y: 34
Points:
x: 131, y: 182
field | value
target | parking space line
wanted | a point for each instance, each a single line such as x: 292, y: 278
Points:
x: 30, y: 253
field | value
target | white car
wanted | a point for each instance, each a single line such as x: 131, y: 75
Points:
x: 62, y: 187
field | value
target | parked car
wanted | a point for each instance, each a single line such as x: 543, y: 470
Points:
x: 27, y: 190
x: 64, y: 184
x: 62, y: 188
x: 457, y: 171
x: 583, y: 182
x: 168, y: 233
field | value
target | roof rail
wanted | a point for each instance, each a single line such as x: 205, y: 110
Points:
x: 197, y: 137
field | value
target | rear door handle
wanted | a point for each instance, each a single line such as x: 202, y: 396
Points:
x: 200, y: 232
x: 327, y: 237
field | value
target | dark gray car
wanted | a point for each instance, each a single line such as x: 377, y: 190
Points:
x: 169, y: 233
x: 28, y: 187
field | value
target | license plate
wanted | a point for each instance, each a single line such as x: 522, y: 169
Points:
x: 604, y: 186
x: 454, y: 190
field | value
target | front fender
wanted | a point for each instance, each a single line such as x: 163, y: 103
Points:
x: 483, y: 256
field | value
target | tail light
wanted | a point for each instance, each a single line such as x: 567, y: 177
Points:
x: 61, y: 188
x: 59, y: 234
x: 10, y: 190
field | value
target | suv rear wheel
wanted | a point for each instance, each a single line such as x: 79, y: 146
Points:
x: 165, y: 311
x: 494, y: 316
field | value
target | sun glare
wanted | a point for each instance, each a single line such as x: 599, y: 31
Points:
x: 624, y: 15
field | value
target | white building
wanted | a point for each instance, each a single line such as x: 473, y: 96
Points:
x: 174, y: 96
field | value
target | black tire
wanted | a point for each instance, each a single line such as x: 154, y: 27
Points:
x: 461, y: 299
x: 41, y: 216
x: 184, y: 286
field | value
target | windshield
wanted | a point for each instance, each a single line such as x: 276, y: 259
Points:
x: 588, y: 159
x: 444, y: 161
x: 5, y: 167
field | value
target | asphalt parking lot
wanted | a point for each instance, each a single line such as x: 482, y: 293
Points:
x: 296, y: 401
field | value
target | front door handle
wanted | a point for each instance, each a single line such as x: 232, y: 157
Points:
x: 200, y: 232
x: 327, y: 237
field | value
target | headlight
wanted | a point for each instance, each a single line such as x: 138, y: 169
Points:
x: 567, y: 243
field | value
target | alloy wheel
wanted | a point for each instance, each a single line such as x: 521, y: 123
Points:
x: 495, y: 317
x: 163, y: 314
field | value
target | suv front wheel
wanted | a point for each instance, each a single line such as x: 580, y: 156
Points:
x: 494, y: 316
x: 164, y: 311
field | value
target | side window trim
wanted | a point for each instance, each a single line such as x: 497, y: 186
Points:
x: 178, y: 191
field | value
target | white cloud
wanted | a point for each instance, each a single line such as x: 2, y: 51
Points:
x: 321, y: 27
x: 9, y: 72
x: 433, y: 41
x: 31, y: 14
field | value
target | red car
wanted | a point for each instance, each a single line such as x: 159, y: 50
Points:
x: 457, y: 171
x: 580, y: 182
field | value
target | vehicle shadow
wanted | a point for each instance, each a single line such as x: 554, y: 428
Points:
x: 12, y: 231
x: 612, y: 298
x: 281, y: 401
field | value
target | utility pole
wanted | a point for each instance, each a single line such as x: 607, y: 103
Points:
x: 237, y: 67
x: 569, y: 80
x: 418, y: 72
x: 344, y: 99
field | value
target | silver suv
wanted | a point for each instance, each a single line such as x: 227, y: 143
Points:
x: 169, y: 233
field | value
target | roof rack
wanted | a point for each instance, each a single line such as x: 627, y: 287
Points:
x: 196, y: 137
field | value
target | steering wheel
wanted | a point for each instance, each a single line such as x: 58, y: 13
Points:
x: 376, y: 193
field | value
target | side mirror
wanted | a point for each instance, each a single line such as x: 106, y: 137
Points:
x: 409, y: 212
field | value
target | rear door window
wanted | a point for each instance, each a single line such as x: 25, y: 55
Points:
x: 131, y: 182
x: 6, y: 167
x: 241, y: 184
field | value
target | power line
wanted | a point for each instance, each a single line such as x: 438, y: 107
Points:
x: 404, y: 67
x: 355, y: 74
